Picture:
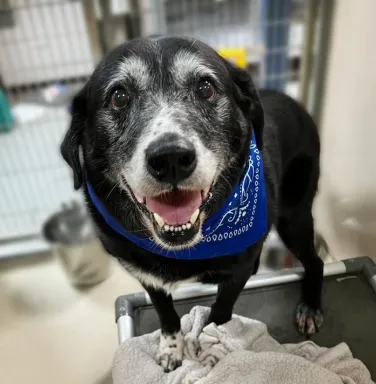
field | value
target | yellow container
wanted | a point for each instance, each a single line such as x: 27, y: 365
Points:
x: 236, y: 56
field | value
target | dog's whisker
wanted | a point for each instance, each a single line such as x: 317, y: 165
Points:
x: 112, y: 189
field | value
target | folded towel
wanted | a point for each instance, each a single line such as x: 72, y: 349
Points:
x: 240, y: 351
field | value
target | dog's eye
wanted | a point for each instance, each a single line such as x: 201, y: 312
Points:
x: 205, y: 89
x: 119, y: 98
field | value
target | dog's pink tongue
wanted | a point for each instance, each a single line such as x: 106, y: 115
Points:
x: 176, y: 207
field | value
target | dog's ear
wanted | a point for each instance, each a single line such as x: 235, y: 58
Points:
x: 70, y: 147
x: 248, y: 99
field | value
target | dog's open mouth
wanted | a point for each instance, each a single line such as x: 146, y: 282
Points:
x: 175, y: 214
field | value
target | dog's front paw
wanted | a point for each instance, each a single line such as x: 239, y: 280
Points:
x: 308, y: 320
x: 170, y: 354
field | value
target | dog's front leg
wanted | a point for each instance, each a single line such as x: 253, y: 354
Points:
x: 228, y: 292
x: 171, y: 343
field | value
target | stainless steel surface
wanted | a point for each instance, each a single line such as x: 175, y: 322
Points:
x: 307, y: 57
x: 373, y: 282
x: 325, y: 15
x: 262, y: 280
x: 125, y: 325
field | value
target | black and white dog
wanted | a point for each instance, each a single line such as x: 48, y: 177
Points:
x: 166, y: 126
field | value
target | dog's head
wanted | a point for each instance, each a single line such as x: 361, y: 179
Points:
x: 169, y: 122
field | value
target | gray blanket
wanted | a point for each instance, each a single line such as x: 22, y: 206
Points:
x: 240, y: 352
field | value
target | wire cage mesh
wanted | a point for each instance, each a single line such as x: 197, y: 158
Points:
x: 43, y: 42
x: 264, y: 36
x: 47, y: 54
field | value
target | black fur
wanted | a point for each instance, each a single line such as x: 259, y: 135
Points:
x: 285, y: 133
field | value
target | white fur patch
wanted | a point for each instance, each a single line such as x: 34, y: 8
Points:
x: 171, y: 350
x: 133, y: 68
x: 154, y: 281
x: 164, y: 122
x: 189, y: 64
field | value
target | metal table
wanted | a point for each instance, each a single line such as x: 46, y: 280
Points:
x: 349, y: 304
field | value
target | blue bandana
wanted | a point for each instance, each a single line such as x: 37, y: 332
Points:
x: 240, y: 223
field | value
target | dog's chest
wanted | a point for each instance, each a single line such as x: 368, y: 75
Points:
x: 153, y: 281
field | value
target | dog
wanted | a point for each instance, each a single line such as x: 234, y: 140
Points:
x: 168, y: 141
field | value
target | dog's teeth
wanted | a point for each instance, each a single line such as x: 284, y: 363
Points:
x: 194, y: 216
x: 159, y: 220
x: 177, y: 228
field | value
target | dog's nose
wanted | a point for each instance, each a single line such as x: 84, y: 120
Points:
x: 171, y: 158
